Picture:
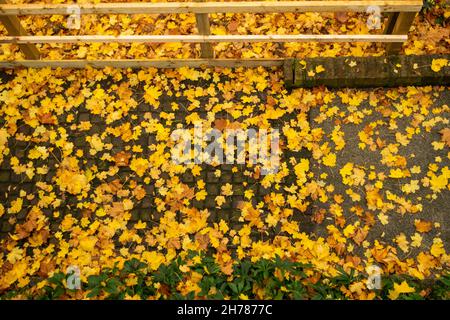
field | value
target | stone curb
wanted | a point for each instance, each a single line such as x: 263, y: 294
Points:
x: 366, y: 72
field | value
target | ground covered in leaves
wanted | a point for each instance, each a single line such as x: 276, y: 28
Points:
x: 86, y: 177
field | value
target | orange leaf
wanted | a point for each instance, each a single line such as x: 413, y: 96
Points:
x: 46, y: 118
x: 122, y: 159
x: 422, y: 225
x: 445, y: 136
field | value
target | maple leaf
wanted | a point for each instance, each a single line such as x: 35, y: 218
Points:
x: 342, y: 17
x: 16, y: 206
x: 400, y: 289
x: 329, y: 160
x: 139, y: 192
x: 72, y: 181
x: 46, y: 267
x: 422, y: 225
x: 227, y: 268
x: 445, y: 136
x: 152, y: 95
x: 233, y: 26
x: 437, y: 249
x: 319, y: 69
x: 360, y: 235
x: 227, y: 189
x: 202, y: 240
x: 402, y: 242
x: 438, y: 64
x: 220, y: 200
x: 3, y: 137
x: 220, y: 124
x: 139, y: 165
x: 122, y: 159
x: 46, y: 118
x: 416, y: 240
x: 88, y: 243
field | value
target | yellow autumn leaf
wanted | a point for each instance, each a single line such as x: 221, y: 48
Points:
x: 329, y: 160
x: 88, y: 243
x: 396, y: 173
x: 416, y: 240
x: 437, y: 249
x: 400, y: 289
x: 248, y: 194
x: 139, y: 165
x: 16, y: 206
x: 438, y: 64
x: 227, y: 189
x: 220, y: 200
x: 402, y: 242
x: 319, y: 69
x: 152, y: 95
x: 201, y: 195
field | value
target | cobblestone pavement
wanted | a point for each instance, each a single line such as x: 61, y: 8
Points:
x: 419, y: 152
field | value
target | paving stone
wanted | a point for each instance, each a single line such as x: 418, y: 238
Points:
x: 4, y: 188
x: 6, y: 227
x: 16, y: 178
x: 198, y: 204
x: 22, y: 214
x: 135, y: 215
x: 263, y: 191
x: 211, y: 177
x: 226, y: 177
x: 84, y: 117
x: 4, y: 175
x: 236, y: 201
x: 210, y: 202
x: 146, y: 203
x: 187, y: 177
x: 145, y: 214
x: 96, y: 119
x: 151, y: 140
x: 238, y: 177
x: 227, y: 204
x: 213, y: 189
x: 19, y: 153
x: 238, y: 190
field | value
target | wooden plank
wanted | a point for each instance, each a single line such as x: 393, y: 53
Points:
x: 390, y: 23
x: 203, y: 28
x: 208, y: 39
x: 14, y: 28
x: 402, y: 25
x: 215, y: 7
x: 143, y: 63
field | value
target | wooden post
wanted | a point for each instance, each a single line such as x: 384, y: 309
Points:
x: 390, y: 23
x: 14, y: 28
x: 206, y: 49
x: 401, y: 25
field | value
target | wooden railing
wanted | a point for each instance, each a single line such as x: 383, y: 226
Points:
x: 401, y: 14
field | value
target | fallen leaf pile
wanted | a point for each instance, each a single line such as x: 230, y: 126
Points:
x: 426, y: 35
x: 87, y: 179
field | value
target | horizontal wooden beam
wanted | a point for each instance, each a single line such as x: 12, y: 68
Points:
x: 205, y: 38
x: 143, y: 63
x: 213, y: 7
